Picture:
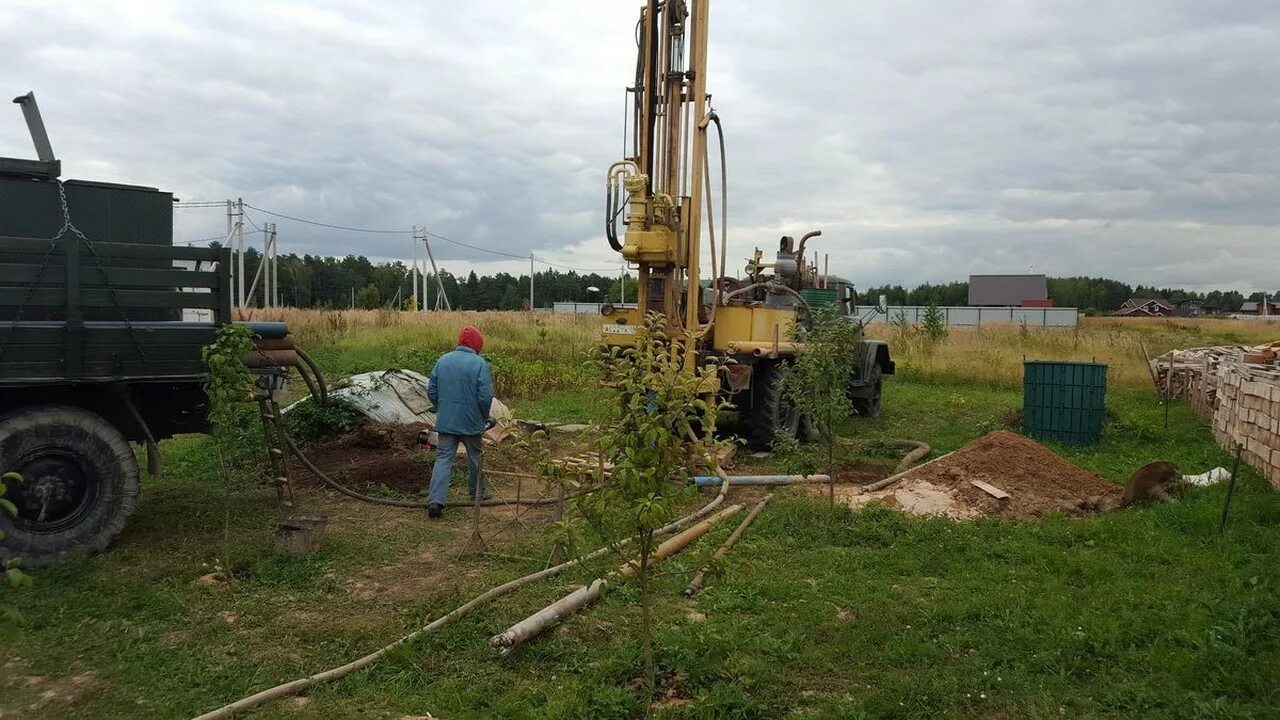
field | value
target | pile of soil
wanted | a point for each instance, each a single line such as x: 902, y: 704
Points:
x: 1036, y: 479
x: 374, y: 454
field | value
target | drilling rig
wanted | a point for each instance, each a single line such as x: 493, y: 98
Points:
x: 662, y: 192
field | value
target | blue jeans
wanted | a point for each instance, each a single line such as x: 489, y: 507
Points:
x: 443, y: 469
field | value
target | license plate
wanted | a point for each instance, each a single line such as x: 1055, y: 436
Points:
x: 620, y: 329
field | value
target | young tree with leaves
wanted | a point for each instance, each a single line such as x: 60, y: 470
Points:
x: 657, y: 435
x: 817, y: 382
x: 229, y: 384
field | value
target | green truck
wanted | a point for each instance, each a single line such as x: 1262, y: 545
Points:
x: 94, y: 353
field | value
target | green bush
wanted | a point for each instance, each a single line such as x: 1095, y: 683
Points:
x: 310, y: 421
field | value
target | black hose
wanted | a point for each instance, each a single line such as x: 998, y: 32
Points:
x: 306, y: 462
x: 724, y: 197
x: 611, y: 221
x: 324, y: 389
x: 311, y: 384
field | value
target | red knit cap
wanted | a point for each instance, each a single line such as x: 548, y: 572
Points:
x: 471, y: 338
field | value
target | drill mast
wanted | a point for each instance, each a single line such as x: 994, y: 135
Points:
x: 658, y: 185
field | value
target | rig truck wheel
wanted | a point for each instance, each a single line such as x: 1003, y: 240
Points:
x: 770, y: 410
x: 79, y: 483
x: 867, y: 403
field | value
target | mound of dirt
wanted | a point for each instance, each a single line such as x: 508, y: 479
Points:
x: 1035, y: 479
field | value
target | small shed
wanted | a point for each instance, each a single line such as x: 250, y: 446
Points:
x: 1008, y: 290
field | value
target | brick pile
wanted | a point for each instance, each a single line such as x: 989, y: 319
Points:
x: 1247, y: 414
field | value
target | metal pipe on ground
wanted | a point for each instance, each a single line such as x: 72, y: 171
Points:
x: 546, y: 618
x: 708, y: 480
x: 882, y: 484
x: 696, y: 584
x: 918, y: 451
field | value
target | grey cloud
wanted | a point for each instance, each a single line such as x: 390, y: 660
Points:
x: 928, y: 139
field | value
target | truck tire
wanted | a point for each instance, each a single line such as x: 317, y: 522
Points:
x: 868, y: 400
x: 79, y: 483
x: 770, y: 410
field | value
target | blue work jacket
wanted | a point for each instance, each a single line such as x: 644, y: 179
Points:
x: 462, y: 390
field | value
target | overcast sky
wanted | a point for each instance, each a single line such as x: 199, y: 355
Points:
x: 928, y: 140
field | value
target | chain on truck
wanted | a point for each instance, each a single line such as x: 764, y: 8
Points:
x: 95, y: 355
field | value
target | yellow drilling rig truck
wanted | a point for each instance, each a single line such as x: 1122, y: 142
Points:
x: 658, y: 194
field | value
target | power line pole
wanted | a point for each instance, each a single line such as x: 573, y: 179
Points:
x: 530, y: 282
x: 240, y: 250
x: 442, y: 298
x: 413, y: 273
x: 227, y: 240
x: 623, y: 298
x: 266, y: 265
x: 275, y: 267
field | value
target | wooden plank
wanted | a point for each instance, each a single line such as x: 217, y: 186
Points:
x: 98, y: 333
x: 119, y: 277
x: 224, y: 286
x: 991, y: 490
x: 101, y: 297
x: 134, y: 251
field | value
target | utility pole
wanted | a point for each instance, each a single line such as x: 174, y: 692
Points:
x: 275, y: 267
x: 413, y: 274
x: 266, y: 265
x: 623, y: 298
x: 530, y: 282
x: 442, y: 298
x: 240, y: 251
x: 232, y: 269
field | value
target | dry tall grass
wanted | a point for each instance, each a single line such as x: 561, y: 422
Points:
x: 531, y: 353
x: 539, y: 351
x: 995, y: 353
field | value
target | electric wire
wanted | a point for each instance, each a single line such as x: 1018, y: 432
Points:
x: 445, y: 238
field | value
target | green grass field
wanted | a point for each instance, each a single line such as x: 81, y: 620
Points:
x: 820, y: 612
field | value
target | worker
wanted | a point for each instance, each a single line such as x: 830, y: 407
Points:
x: 461, y: 388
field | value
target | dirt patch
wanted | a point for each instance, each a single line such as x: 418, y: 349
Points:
x: 1036, y: 480
x: 372, y: 456
x: 45, y: 692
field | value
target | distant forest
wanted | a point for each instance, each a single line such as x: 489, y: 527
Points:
x: 1092, y: 295
x: 315, y: 281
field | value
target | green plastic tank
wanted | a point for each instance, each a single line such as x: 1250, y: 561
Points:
x: 1063, y: 401
x: 819, y: 297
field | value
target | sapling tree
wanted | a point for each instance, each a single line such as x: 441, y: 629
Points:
x: 658, y: 434
x: 228, y: 384
x: 818, y: 380
x: 934, y: 323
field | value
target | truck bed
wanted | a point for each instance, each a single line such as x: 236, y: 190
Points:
x: 74, y: 312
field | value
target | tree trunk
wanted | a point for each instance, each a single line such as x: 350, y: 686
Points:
x: 646, y: 628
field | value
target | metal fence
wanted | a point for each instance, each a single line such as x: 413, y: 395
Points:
x: 584, y: 308
x: 973, y: 316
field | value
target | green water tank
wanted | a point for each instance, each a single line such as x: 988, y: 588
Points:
x: 1063, y: 401
x: 819, y: 297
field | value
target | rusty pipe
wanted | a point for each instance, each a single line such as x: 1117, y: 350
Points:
x: 803, y: 239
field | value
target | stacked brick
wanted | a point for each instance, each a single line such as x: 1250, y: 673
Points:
x: 1238, y: 390
x: 1248, y: 415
